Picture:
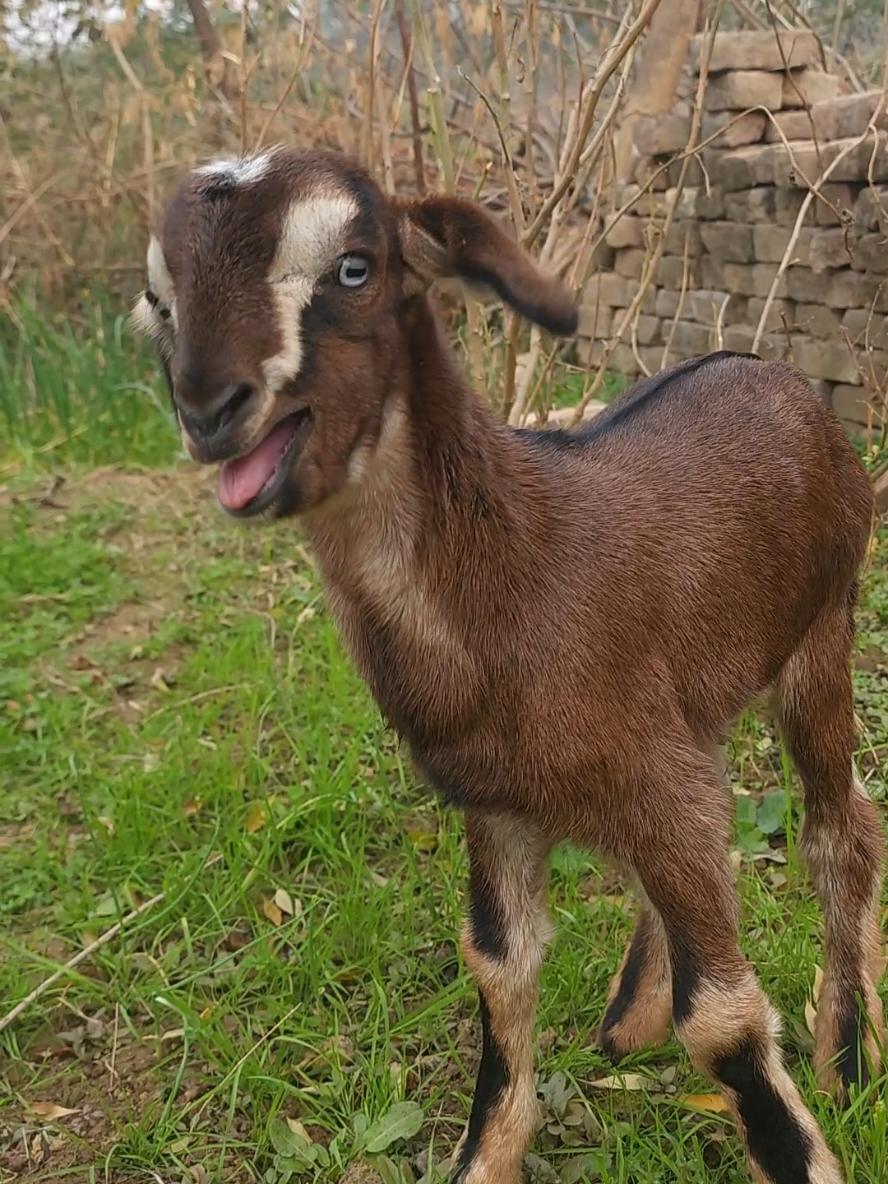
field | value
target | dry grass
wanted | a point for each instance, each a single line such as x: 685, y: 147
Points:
x: 512, y: 106
x: 512, y: 102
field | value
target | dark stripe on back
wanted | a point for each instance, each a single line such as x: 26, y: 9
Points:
x: 637, y: 398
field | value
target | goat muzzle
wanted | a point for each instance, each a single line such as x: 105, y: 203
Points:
x: 214, y: 426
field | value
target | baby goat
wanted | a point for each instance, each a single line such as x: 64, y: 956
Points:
x: 562, y: 625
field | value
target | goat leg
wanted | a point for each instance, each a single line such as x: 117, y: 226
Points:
x: 843, y: 848
x: 639, y: 1004
x: 503, y: 943
x: 722, y: 1016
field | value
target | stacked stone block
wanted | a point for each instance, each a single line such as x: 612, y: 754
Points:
x: 735, y: 220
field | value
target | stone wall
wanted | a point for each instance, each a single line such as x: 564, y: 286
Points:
x: 734, y: 219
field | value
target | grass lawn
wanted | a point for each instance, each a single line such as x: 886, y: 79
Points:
x: 179, y: 723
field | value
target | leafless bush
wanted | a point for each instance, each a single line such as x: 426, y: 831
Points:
x: 515, y: 105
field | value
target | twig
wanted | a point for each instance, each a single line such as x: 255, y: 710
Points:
x: 610, y: 63
x: 243, y: 74
x: 297, y: 70
x: 515, y: 206
x: 127, y: 69
x: 433, y: 91
x: 813, y: 192
x: 445, y: 160
x: 685, y: 268
x: 720, y: 323
x: 416, y: 125
x: 33, y: 196
x: 787, y: 74
x: 653, y: 260
x: 373, y: 54
x: 531, y: 50
x: 588, y: 158
x: 79, y: 957
x: 505, y: 107
x: 569, y: 10
x: 837, y: 26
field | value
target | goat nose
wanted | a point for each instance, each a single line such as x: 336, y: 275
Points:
x: 213, y: 414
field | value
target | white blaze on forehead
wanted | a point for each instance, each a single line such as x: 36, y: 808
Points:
x: 312, y: 235
x: 238, y: 172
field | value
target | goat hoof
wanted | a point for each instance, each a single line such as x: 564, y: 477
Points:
x: 612, y: 1048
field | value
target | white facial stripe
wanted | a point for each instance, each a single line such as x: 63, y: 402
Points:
x: 312, y: 235
x: 239, y: 172
x: 159, y: 279
x: 290, y: 298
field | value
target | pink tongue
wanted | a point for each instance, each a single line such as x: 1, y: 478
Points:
x: 241, y: 479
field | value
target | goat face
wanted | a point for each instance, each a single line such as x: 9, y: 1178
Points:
x: 275, y: 293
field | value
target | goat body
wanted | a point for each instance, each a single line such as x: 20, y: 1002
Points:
x: 562, y: 624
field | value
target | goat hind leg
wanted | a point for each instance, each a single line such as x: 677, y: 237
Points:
x: 503, y: 942
x: 639, y: 1004
x: 722, y: 1015
x: 843, y: 848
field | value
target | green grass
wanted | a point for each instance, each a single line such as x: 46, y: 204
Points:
x: 178, y: 716
x: 79, y: 388
x: 571, y: 386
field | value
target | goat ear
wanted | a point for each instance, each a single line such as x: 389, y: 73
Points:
x: 445, y: 236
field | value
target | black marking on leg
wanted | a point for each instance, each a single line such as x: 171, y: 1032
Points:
x: 630, y: 981
x: 851, y: 1064
x: 491, y: 1084
x: 486, y: 916
x: 685, y: 980
x: 780, y: 1147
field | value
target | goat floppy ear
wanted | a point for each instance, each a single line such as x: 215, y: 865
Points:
x: 445, y: 236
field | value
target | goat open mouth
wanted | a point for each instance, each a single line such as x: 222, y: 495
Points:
x: 248, y: 484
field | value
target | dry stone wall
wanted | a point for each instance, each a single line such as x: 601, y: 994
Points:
x: 737, y: 218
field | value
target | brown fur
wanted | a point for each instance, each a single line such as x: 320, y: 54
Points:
x: 561, y: 625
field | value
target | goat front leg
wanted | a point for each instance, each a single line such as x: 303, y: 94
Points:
x: 503, y: 943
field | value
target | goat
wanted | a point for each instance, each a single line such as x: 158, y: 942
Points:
x: 562, y: 625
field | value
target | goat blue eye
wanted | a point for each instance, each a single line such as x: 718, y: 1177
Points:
x: 352, y: 271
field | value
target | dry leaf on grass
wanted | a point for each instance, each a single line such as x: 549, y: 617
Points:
x: 812, y: 1001
x: 160, y: 681
x: 298, y: 1129
x: 258, y: 815
x: 631, y: 1081
x: 422, y: 840
x: 272, y: 912
x: 49, y: 1110
x: 714, y: 1103
x: 287, y: 903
